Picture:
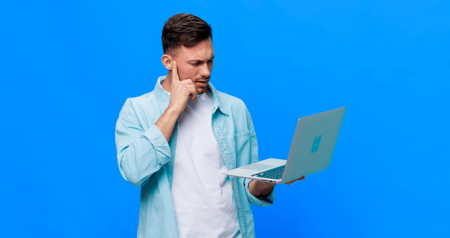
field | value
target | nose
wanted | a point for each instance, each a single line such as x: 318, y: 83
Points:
x: 205, y: 71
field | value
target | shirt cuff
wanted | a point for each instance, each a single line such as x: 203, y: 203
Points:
x: 263, y: 201
x: 157, y: 139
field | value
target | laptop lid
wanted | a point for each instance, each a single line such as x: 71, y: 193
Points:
x: 313, y: 144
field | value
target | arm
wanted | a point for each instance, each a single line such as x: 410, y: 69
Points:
x: 167, y: 122
x: 258, y: 193
x: 181, y: 90
x: 139, y: 153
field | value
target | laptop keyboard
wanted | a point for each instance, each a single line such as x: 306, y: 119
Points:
x: 275, y: 173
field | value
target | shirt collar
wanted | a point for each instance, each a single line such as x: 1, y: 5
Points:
x: 164, y: 97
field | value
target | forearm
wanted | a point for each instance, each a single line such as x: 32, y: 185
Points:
x: 259, y: 188
x: 166, y: 122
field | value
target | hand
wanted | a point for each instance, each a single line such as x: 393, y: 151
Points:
x: 262, y: 189
x: 259, y: 188
x: 180, y: 91
x: 293, y: 181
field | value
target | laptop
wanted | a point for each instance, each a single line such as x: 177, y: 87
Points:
x: 311, y: 150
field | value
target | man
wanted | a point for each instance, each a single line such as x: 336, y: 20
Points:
x: 176, y: 141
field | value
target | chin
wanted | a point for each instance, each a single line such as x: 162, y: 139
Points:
x: 201, y: 90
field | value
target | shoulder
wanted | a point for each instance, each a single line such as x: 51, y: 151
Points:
x: 238, y: 112
x: 232, y: 103
x: 236, y: 109
x: 139, y: 103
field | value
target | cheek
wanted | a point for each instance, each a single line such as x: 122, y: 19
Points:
x: 188, y: 73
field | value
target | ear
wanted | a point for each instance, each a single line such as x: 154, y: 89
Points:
x: 167, y: 60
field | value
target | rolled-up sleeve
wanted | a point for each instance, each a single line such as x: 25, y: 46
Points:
x: 140, y: 153
x: 157, y: 139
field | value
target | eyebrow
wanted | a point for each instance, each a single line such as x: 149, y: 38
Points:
x: 200, y: 60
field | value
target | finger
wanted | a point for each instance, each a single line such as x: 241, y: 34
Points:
x: 293, y: 181
x: 191, y: 88
x: 175, y: 77
x: 194, y: 94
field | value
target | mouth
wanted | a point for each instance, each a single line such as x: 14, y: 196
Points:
x: 202, y: 83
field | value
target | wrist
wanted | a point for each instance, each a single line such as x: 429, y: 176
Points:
x: 173, y: 111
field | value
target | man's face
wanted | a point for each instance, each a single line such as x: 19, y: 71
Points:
x: 196, y: 63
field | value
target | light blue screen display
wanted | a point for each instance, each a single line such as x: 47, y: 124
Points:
x: 67, y: 67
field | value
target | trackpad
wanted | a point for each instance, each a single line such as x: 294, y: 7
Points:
x: 258, y: 167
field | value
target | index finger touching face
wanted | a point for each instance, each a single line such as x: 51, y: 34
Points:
x: 175, y: 77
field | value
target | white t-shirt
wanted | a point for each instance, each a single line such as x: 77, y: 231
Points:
x: 202, y: 196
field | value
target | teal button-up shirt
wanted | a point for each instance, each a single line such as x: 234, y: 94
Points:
x: 146, y: 159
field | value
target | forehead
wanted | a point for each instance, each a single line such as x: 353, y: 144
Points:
x: 203, y: 50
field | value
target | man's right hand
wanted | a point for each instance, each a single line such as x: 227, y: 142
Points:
x: 180, y: 91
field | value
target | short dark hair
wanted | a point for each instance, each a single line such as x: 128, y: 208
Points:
x: 183, y: 29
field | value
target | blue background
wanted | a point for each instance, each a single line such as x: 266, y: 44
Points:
x: 67, y: 67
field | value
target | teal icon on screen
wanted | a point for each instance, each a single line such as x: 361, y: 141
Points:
x: 316, y: 144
